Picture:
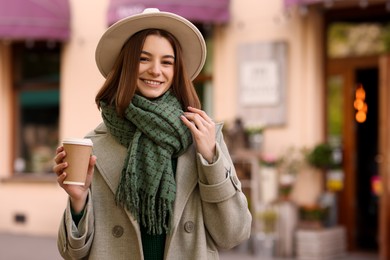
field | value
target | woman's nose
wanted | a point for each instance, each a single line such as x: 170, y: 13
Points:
x: 155, y: 68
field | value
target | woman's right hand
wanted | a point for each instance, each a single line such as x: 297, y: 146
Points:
x: 77, y: 193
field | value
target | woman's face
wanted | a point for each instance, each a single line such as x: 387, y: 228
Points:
x: 156, y: 67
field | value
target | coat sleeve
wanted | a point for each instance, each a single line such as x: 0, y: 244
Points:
x: 74, y: 242
x: 225, y: 207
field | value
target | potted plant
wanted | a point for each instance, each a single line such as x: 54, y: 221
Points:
x: 312, y: 216
x: 321, y: 157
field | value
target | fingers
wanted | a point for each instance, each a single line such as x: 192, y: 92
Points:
x: 203, y: 115
x: 60, y: 154
x: 92, y: 161
x: 60, y: 165
x: 188, y: 123
x: 197, y: 119
x: 202, y: 128
x: 193, y: 122
x: 61, y: 178
x: 59, y: 168
x: 59, y: 149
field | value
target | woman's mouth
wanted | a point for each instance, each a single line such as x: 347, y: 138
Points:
x: 152, y: 82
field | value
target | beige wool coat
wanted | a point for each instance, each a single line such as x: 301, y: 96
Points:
x: 210, y: 210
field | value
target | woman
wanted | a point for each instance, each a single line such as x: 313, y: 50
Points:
x: 161, y: 184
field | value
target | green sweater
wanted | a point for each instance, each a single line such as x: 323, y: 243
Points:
x: 152, y: 245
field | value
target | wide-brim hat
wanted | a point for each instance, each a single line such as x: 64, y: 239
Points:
x: 190, y: 38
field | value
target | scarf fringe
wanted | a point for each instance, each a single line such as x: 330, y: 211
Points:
x: 154, y: 216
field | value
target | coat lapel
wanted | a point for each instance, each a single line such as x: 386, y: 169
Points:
x: 110, y: 156
x: 186, y: 180
x: 110, y: 159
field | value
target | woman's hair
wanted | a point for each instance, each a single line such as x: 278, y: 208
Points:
x: 121, y: 83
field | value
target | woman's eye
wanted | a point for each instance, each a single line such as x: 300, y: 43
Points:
x: 167, y: 62
x: 143, y: 59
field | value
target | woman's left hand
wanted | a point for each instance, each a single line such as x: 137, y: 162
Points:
x: 203, y: 131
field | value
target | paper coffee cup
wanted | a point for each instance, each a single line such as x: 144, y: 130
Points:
x: 78, y: 152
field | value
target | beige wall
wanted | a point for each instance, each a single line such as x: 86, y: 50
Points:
x: 264, y: 21
x: 252, y: 21
x: 41, y: 204
x: 81, y: 78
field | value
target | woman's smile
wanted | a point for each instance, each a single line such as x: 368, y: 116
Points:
x: 152, y: 82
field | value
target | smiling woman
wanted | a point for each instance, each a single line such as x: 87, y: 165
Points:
x: 162, y: 178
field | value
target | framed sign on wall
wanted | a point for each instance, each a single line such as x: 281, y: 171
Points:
x: 261, y: 83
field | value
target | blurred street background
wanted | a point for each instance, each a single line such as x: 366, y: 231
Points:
x: 302, y: 87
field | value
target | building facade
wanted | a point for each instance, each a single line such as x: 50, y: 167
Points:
x: 268, y: 64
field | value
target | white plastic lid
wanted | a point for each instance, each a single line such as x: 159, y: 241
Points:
x: 79, y: 141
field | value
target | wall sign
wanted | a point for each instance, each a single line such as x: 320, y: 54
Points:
x: 261, y: 83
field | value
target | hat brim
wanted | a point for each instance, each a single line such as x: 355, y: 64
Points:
x: 191, y: 40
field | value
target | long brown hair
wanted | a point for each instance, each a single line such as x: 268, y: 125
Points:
x: 121, y: 83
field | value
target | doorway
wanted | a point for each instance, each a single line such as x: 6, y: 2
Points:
x: 366, y: 138
x: 360, y: 55
x: 358, y: 204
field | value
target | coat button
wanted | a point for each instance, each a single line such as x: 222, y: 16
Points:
x: 117, y: 231
x: 189, y: 226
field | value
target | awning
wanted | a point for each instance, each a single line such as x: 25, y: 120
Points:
x: 332, y: 3
x: 34, y: 19
x: 289, y: 3
x: 202, y: 11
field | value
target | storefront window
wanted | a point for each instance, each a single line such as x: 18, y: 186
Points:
x: 358, y: 39
x: 335, y: 119
x: 335, y: 108
x: 36, y: 92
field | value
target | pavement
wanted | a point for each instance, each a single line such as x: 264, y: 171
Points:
x: 26, y: 247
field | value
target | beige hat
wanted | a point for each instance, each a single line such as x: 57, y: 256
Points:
x: 191, y: 40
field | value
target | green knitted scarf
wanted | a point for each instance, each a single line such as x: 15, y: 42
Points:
x: 153, y: 134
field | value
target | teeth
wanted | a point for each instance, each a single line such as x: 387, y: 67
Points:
x: 152, y: 82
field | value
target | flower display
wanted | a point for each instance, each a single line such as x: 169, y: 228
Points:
x: 269, y: 160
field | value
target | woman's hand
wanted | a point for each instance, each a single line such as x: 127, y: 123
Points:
x: 203, y: 131
x: 77, y: 193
